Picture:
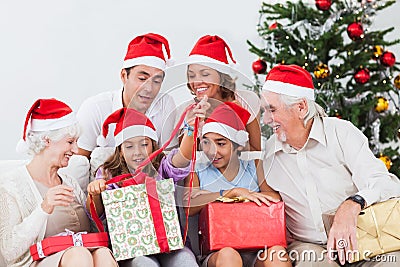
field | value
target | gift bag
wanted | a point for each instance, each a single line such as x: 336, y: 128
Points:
x: 242, y: 225
x: 378, y: 229
x: 142, y: 219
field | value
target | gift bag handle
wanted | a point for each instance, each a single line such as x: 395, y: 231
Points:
x: 95, y: 217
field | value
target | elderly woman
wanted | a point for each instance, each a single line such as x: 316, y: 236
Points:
x: 36, y: 202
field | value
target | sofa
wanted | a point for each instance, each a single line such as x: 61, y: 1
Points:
x: 83, y: 170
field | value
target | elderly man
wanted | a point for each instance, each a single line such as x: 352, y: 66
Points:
x: 319, y: 164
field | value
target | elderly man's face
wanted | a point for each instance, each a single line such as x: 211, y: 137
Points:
x: 285, y: 121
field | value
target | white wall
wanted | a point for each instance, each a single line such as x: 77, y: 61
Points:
x: 74, y: 49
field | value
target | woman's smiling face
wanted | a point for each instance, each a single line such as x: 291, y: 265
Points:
x: 204, y: 80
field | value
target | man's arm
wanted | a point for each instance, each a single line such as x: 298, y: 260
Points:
x: 84, y: 152
x: 369, y: 174
x: 90, y: 119
x: 373, y: 181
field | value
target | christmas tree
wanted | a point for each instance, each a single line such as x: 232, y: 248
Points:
x: 354, y: 73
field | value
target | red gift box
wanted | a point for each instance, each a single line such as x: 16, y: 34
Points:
x: 241, y: 226
x: 55, y: 244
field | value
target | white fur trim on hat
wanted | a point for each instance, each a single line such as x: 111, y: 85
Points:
x: 53, y: 124
x: 240, y: 137
x: 151, y: 61
x: 133, y: 131
x: 229, y: 69
x: 288, y: 89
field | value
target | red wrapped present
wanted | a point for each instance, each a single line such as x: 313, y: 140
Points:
x: 53, y: 244
x: 241, y: 226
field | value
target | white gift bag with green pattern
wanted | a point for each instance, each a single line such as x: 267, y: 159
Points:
x: 142, y: 219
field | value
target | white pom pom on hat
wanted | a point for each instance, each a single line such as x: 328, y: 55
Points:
x: 46, y: 115
x: 101, y: 141
x: 22, y: 147
x: 129, y: 123
x: 229, y: 120
x: 147, y: 49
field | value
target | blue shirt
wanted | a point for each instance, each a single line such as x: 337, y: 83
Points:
x: 211, y: 179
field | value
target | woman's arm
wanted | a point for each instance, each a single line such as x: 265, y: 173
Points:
x: 17, y: 234
x: 254, y: 130
x: 183, y: 157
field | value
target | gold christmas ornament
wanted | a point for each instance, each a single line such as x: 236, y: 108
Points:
x: 377, y: 51
x: 382, y: 104
x: 321, y: 71
x: 397, y: 82
x: 386, y: 160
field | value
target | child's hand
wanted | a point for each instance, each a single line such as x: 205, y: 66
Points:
x: 260, y: 198
x: 257, y: 197
x: 96, y: 187
x: 195, y: 193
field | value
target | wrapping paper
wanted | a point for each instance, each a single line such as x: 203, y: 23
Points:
x: 378, y: 229
x: 241, y: 226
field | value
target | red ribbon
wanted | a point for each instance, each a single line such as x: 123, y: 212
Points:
x: 155, y: 209
x: 95, y: 217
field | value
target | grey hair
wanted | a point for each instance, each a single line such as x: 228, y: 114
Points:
x: 314, y: 109
x: 37, y: 140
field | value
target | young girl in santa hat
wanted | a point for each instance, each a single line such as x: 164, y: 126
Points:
x: 136, y: 139
x: 223, y: 138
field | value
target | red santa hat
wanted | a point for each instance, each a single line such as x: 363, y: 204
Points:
x: 291, y: 80
x: 129, y: 123
x: 147, y: 50
x: 211, y: 51
x: 228, y: 120
x: 46, y: 115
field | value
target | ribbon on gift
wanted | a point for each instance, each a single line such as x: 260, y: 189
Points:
x: 377, y: 230
x: 76, y: 239
x: 40, y: 250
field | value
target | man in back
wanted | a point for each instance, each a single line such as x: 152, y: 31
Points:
x: 142, y: 75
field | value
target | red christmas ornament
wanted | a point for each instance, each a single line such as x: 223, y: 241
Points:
x: 362, y: 76
x: 273, y: 26
x: 388, y: 59
x: 355, y: 30
x: 337, y: 114
x: 323, y: 4
x: 259, y: 66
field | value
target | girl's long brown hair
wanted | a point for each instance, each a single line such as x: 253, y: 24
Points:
x: 116, y: 164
